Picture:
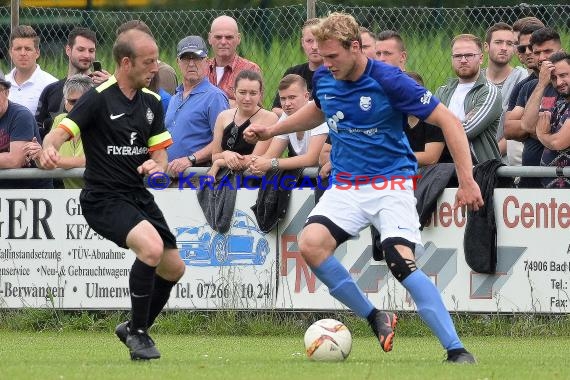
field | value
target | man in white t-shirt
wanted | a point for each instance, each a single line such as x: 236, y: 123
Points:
x: 304, y: 147
x: 28, y: 80
x: 473, y: 99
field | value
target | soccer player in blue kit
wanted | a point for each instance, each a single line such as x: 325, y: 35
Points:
x: 365, y: 104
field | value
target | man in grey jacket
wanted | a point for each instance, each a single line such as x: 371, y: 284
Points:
x: 472, y: 98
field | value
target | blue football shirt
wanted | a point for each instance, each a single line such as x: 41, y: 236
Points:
x: 366, y: 120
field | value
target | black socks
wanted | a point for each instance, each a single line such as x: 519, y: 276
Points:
x: 160, y: 296
x: 141, y: 284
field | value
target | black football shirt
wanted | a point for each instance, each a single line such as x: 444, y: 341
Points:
x: 118, y: 135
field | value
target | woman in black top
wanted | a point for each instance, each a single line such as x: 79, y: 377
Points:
x: 229, y: 147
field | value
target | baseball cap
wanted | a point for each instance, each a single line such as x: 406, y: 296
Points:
x: 194, y: 45
x: 4, y: 82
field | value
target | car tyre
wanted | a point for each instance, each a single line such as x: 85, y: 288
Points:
x: 261, y: 251
x: 218, y: 251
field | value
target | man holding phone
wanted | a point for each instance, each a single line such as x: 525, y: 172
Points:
x: 96, y: 67
x: 80, y: 50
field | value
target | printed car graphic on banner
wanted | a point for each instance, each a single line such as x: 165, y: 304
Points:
x: 243, y: 244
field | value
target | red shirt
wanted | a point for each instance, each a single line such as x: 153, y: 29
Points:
x: 230, y: 72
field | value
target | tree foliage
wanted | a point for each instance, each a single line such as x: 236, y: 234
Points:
x: 234, y: 4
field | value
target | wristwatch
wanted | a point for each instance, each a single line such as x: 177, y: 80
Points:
x: 274, y: 163
x: 192, y: 159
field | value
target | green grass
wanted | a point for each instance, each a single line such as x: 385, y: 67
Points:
x: 277, y: 323
x: 55, y: 344
x: 83, y: 355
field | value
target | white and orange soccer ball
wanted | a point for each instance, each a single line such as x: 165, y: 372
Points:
x: 328, y: 340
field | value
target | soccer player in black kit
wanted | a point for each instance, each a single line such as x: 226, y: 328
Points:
x: 124, y: 138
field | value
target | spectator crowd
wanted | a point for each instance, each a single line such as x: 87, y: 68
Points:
x: 515, y: 114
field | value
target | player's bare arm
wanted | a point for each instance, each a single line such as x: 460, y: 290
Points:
x: 308, y: 117
x: 49, y: 157
x: 157, y: 163
x: 468, y: 193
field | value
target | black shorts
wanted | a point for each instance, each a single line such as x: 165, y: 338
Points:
x: 113, y: 214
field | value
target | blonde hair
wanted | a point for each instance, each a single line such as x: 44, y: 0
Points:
x: 290, y: 79
x: 467, y: 37
x: 310, y: 22
x: 338, y: 26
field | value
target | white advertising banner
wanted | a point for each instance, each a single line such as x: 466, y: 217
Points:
x: 533, y: 263
x: 49, y: 257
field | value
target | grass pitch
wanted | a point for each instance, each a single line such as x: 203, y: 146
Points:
x: 99, y: 355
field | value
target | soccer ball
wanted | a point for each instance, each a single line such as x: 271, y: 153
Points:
x: 328, y: 340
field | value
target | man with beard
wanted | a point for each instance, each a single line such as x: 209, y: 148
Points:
x: 512, y: 130
x: 553, y: 129
x: 537, y: 94
x: 500, y: 45
x: 473, y: 99
x: 80, y: 49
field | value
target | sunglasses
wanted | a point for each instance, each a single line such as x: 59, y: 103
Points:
x: 72, y: 101
x: 522, y: 48
x: 233, y: 138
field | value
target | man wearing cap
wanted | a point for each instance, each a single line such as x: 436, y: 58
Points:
x: 17, y: 127
x: 224, y: 67
x: 193, y: 109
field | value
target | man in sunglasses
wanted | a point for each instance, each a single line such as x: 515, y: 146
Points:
x: 194, y: 108
x: 537, y: 94
x: 475, y: 101
x: 513, y: 132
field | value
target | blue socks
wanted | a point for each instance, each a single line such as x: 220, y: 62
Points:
x: 431, y: 309
x: 342, y: 287
x: 424, y: 293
